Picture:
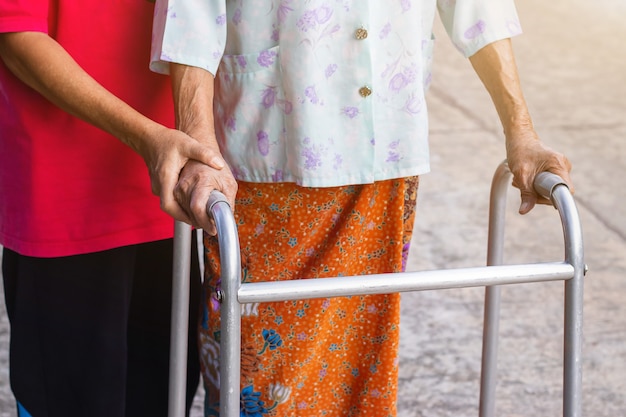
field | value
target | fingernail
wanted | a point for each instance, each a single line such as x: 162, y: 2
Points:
x: 524, y: 207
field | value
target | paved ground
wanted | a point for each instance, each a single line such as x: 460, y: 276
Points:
x: 572, y: 63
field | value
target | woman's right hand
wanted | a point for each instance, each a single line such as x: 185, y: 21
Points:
x: 197, y: 181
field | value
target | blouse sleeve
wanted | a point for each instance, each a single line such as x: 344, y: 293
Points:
x: 473, y: 24
x: 189, y: 32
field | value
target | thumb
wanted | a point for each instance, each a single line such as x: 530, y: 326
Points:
x: 207, y: 156
x: 529, y: 199
x: 523, y: 180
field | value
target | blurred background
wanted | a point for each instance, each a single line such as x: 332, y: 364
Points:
x: 572, y: 62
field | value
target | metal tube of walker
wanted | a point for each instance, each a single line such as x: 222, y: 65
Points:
x: 387, y: 283
x: 491, y: 321
x: 230, y: 309
x: 221, y: 213
x: 180, y: 320
x: 573, y: 340
x: 553, y: 187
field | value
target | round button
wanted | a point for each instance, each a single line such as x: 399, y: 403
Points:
x: 365, y: 91
x: 360, y: 33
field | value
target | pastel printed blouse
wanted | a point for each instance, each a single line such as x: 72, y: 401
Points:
x: 322, y: 92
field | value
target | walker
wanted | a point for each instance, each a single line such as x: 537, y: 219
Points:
x: 233, y: 294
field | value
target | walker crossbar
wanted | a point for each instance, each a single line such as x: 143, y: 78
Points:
x: 262, y: 292
x: 233, y: 294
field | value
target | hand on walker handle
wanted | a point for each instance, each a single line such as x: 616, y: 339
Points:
x: 196, y: 183
x: 526, y: 160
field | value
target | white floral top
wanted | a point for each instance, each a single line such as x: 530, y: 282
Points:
x: 322, y: 92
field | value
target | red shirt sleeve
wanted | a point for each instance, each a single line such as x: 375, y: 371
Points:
x: 24, y: 15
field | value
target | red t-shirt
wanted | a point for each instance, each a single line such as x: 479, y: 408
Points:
x: 67, y: 187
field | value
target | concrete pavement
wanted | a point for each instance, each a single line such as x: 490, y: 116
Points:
x: 571, y: 60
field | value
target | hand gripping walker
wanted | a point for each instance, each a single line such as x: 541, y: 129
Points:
x: 233, y: 293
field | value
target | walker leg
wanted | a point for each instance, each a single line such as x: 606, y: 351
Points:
x: 491, y: 323
x: 180, y: 320
x: 573, y: 332
x: 572, y: 366
x: 488, y: 376
x: 230, y: 309
x: 230, y: 351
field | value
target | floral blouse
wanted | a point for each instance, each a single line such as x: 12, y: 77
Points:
x: 322, y: 92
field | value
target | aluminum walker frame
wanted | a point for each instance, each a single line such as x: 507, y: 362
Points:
x: 233, y: 294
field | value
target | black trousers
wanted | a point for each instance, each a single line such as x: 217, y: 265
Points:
x: 90, y: 333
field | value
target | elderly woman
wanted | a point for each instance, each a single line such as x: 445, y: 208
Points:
x: 317, y: 108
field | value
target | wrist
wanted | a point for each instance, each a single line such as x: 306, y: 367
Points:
x: 144, y: 136
x: 518, y: 126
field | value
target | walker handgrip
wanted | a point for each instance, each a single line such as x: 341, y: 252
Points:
x: 545, y: 183
x: 214, y: 198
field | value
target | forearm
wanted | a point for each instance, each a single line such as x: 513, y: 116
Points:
x: 495, y: 65
x: 192, y: 88
x: 526, y: 154
x: 193, y: 100
x: 44, y: 65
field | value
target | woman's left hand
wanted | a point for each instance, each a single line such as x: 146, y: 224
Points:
x: 527, y: 156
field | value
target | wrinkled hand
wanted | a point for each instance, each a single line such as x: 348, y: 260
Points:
x: 166, y: 154
x: 196, y: 183
x: 527, y: 157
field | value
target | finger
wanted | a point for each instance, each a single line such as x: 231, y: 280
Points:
x: 180, y: 215
x: 174, y: 209
x: 529, y: 200
x: 206, y: 156
x: 228, y: 186
x: 193, y: 197
x: 524, y: 182
x: 564, y: 173
x: 560, y: 165
x: 169, y: 203
x: 155, y: 185
x: 198, y: 207
x: 211, y: 230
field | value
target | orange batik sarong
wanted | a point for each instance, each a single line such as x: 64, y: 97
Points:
x: 318, y: 357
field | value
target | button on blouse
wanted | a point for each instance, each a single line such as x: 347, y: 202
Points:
x: 360, y: 34
x: 365, y: 91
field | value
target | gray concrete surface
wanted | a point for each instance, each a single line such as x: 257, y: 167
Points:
x: 573, y: 68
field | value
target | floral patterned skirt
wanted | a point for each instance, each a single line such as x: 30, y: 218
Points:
x: 318, y: 357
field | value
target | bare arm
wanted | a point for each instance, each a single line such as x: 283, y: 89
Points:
x: 526, y: 155
x: 193, y: 100
x: 41, y: 63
